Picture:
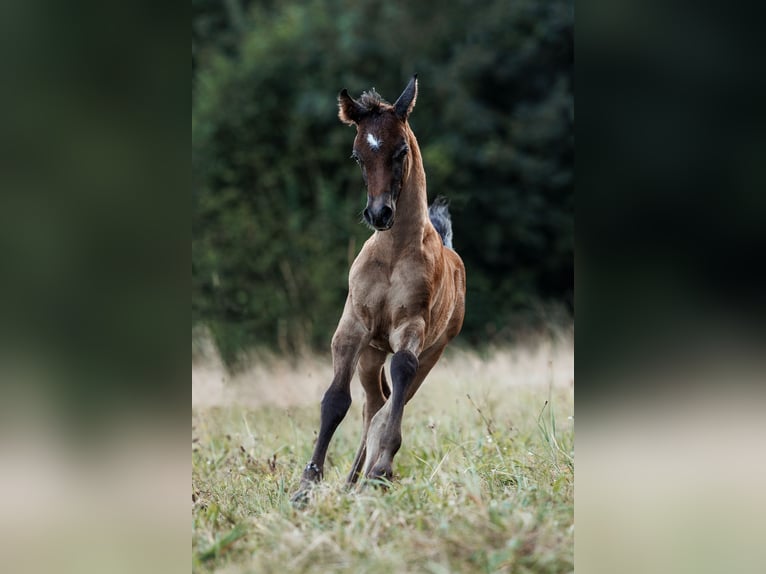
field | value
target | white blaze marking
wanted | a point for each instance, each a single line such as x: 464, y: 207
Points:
x: 373, y: 141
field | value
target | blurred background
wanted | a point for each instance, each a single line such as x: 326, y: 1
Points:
x: 277, y: 201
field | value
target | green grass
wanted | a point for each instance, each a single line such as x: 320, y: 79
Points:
x: 483, y: 482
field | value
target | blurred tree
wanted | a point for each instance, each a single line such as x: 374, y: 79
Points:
x: 276, y: 200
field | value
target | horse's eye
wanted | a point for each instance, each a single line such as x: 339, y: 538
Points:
x: 399, y: 155
x: 356, y: 158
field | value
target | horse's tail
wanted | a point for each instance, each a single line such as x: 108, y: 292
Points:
x: 438, y: 213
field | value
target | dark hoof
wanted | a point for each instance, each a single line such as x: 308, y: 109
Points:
x: 381, y: 476
x: 311, y: 476
x: 301, y: 498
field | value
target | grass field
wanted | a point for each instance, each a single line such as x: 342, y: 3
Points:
x: 484, y: 481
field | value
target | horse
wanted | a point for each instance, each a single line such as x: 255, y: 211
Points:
x: 406, y: 289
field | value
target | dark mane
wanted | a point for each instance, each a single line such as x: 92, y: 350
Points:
x: 371, y: 101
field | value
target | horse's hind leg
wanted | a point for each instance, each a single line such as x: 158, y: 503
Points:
x: 373, y: 379
x: 385, y: 434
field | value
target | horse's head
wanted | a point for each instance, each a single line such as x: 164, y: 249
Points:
x: 381, y: 148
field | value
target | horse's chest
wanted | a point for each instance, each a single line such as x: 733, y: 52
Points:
x: 381, y: 301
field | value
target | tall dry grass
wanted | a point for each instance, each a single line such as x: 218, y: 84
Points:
x: 269, y: 380
x: 484, y: 480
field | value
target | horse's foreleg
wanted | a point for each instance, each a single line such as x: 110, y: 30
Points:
x: 385, y: 434
x: 346, y: 345
x: 387, y: 425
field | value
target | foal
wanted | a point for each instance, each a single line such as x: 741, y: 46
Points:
x: 406, y: 288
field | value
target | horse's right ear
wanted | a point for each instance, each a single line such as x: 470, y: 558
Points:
x: 349, y: 110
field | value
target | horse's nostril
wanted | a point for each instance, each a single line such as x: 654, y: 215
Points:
x: 379, y: 217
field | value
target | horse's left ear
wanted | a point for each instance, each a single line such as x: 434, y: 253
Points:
x: 406, y: 102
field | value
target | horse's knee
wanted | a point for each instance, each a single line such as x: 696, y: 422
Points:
x: 344, y: 345
x: 404, y: 364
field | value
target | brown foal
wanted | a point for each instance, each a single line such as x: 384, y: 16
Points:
x: 406, y: 288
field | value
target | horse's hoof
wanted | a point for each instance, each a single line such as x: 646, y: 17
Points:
x: 381, y: 476
x: 312, y: 474
x: 301, y: 497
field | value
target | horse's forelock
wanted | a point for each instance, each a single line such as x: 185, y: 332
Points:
x: 372, y: 101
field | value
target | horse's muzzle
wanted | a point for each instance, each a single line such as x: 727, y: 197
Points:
x: 381, y: 217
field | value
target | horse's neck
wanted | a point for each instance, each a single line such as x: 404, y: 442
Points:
x: 412, y: 205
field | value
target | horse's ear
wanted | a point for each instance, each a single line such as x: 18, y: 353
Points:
x: 349, y: 110
x: 406, y: 102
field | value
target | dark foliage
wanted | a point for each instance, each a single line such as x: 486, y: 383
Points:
x: 276, y: 201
